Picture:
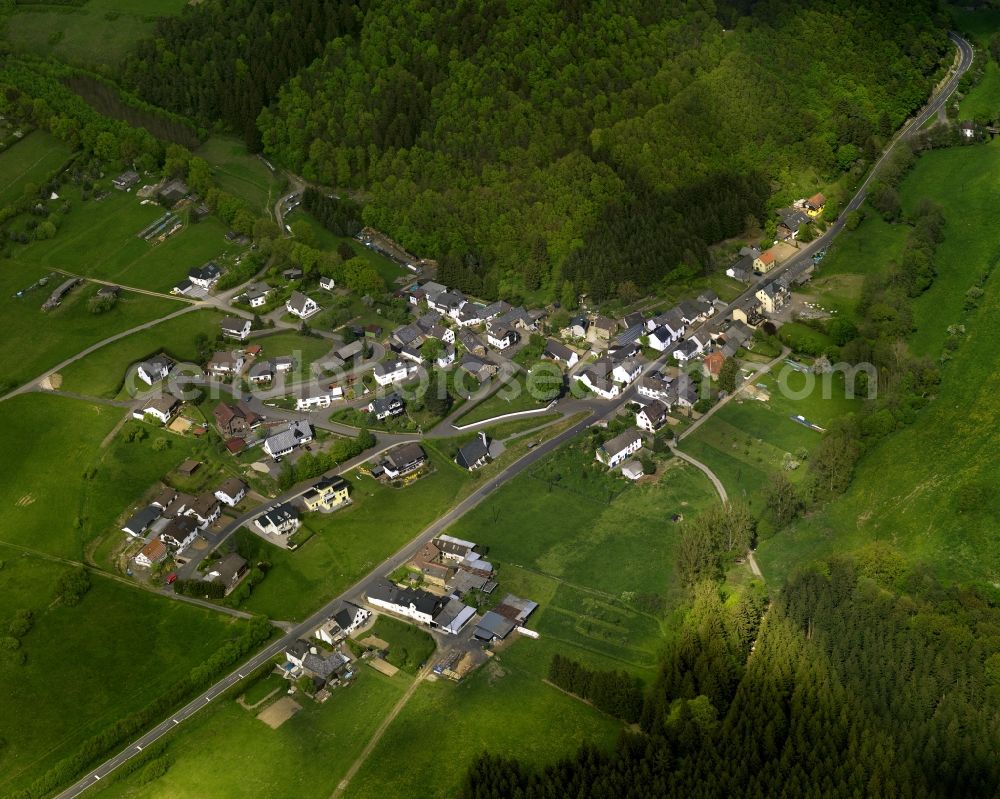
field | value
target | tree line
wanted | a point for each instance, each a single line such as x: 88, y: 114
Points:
x: 617, y: 693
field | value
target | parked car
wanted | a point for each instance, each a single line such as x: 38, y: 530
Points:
x: 171, y: 578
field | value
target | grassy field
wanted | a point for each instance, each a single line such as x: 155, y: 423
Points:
x: 928, y: 490
x: 504, y: 708
x: 348, y: 543
x: 984, y: 99
x: 30, y: 160
x: 512, y: 397
x: 47, y: 503
x: 226, y: 753
x: 241, y: 173
x: 747, y: 441
x: 102, y: 373
x: 409, y: 646
x: 98, y: 34
x: 98, y: 238
x: 90, y: 665
x: 33, y: 341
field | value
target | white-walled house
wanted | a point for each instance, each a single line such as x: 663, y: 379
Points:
x: 327, y: 283
x: 301, y: 306
x: 501, y: 337
x: 321, y: 400
x: 626, y: 371
x: 156, y: 368
x: 161, y: 408
x: 231, y: 491
x: 652, y: 416
x: 389, y: 372
x: 280, y: 520
x: 617, y: 449
x: 297, y: 433
x: 234, y: 327
x: 413, y: 603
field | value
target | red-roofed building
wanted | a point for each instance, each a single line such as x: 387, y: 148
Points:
x: 235, y: 445
x: 154, y: 552
x: 764, y: 262
x: 712, y: 365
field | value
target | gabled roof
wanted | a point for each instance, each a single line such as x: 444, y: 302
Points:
x: 621, y: 441
x: 606, y: 324
x: 405, y: 454
x: 141, y: 520
x: 558, y: 351
x: 208, y: 271
x: 298, y: 301
x: 232, y: 324
x: 473, y: 451
x: 279, y: 515
x: 155, y: 550
x: 655, y: 411
x: 232, y: 487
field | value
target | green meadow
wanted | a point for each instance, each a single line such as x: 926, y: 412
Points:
x: 102, y: 373
x: 241, y: 173
x: 29, y: 161
x: 305, y: 349
x: 99, y: 238
x: 87, y: 666
x: 34, y: 340
x: 927, y: 490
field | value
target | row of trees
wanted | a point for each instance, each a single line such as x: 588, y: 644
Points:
x: 313, y: 464
x: 617, y: 693
x: 340, y: 216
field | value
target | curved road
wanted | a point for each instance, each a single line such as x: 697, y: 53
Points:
x: 481, y: 493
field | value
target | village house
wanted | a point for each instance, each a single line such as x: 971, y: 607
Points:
x: 388, y: 372
x: 206, y: 276
x: 261, y: 372
x: 126, y: 180
x: 595, y: 377
x: 559, y: 352
x: 500, y: 337
x: 672, y: 320
x: 345, y: 620
x: 155, y: 551
x: 226, y: 363
x: 764, y: 263
x: 161, y: 408
x: 322, y: 399
x: 477, y: 367
x: 446, y: 358
x: 601, y: 330
x: 687, y: 349
x: 626, y: 371
x: 457, y: 549
x: 327, y: 494
x: 814, y: 205
x: 692, y: 311
x: 386, y: 407
x: 231, y: 492
x: 683, y: 394
x: 235, y: 420
x: 165, y: 498
x: 430, y: 563
x: 616, y: 450
x: 179, y: 533
x: 472, y: 343
x: 475, y: 453
x: 453, y: 616
x: 411, y: 335
x: 142, y: 521
x: 279, y: 520
x: 256, y: 295
x: 296, y: 434
x: 205, y: 509
x: 577, y: 328
x: 301, y: 306
x: 155, y: 369
x: 772, y: 297
x: 654, y: 386
x: 652, y: 416
x: 236, y: 328
x: 228, y: 570
x: 403, y: 460
x: 327, y: 283
x: 413, y: 603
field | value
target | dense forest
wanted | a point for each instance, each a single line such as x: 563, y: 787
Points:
x: 529, y: 143
x: 854, y: 688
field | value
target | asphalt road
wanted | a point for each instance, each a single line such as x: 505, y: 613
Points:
x: 799, y: 261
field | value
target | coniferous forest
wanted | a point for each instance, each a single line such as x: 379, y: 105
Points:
x: 852, y: 689
x: 525, y: 144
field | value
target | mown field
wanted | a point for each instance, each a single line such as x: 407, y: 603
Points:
x: 33, y: 340
x: 305, y: 350
x: 226, y: 752
x: 240, y: 173
x: 97, y: 34
x: 90, y: 665
x: 409, y: 646
x: 347, y: 544
x: 511, y: 397
x: 103, y: 372
x: 29, y: 160
x: 927, y: 490
x: 99, y: 238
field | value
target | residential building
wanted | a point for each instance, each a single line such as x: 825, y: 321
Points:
x: 403, y: 460
x: 261, y: 372
x: 161, y: 408
x: 205, y: 276
x: 413, y: 603
x: 279, y: 520
x: 652, y: 416
x: 617, y: 449
x: 626, y: 371
x: 322, y: 399
x: 453, y: 548
x: 386, y: 407
x: 142, y: 521
x: 182, y: 287
x: 327, y: 283
x: 327, y: 494
x: 235, y: 420
x: 226, y: 363
x: 228, y: 570
x: 256, y: 295
x: 477, y: 367
x: 501, y: 337
x: 231, y: 492
x: 654, y: 386
x: 814, y: 205
x: 577, y: 328
x: 596, y: 379
x: 472, y: 343
x: 446, y: 358
x: 155, y: 551
x: 126, y: 180
x: 764, y: 263
x: 297, y: 433
x: 601, y: 330
x: 205, y: 509
x: 155, y: 369
x: 345, y: 620
x: 772, y: 297
x: 388, y: 372
x: 179, y: 533
x: 475, y: 453
x: 453, y: 616
x: 687, y: 349
x: 235, y: 327
x: 712, y: 365
x: 559, y: 352
x: 429, y: 562
x: 301, y: 306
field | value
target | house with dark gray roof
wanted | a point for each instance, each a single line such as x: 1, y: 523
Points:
x: 298, y: 433
x: 235, y: 327
x: 403, y: 460
x: 475, y: 453
x: 557, y: 351
x: 142, y: 521
x: 156, y: 368
x: 413, y: 603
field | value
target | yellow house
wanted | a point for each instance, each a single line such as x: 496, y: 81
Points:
x: 815, y: 204
x: 764, y: 262
x: 327, y: 494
